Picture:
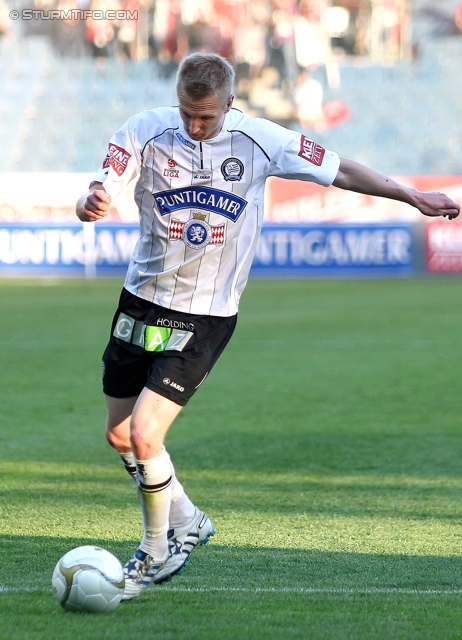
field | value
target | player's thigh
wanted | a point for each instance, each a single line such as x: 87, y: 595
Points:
x: 125, y: 369
x: 119, y: 410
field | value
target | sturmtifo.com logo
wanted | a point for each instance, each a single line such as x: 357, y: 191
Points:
x: 73, y: 14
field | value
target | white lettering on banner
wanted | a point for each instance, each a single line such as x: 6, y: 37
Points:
x: 115, y: 248
x: 399, y: 245
x: 52, y: 247
x: 66, y: 247
x: 279, y: 247
x: 72, y: 247
x: 445, y: 238
x: 317, y: 247
x: 22, y: 246
x: 449, y: 262
x: 7, y: 251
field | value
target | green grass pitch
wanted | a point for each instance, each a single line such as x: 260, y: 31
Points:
x: 325, y: 445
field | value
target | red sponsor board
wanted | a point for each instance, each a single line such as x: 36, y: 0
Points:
x: 293, y: 201
x: 443, y: 242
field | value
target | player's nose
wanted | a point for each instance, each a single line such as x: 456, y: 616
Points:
x: 195, y: 126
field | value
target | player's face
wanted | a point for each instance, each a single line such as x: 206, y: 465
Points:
x: 203, y: 118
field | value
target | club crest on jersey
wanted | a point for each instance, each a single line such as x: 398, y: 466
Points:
x: 311, y: 151
x: 196, y: 233
x: 232, y: 169
x: 117, y: 158
x: 226, y: 204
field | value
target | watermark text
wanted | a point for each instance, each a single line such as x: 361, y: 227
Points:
x: 73, y: 14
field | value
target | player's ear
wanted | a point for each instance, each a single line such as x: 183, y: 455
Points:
x: 229, y: 103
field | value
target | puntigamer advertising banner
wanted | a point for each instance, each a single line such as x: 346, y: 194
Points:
x: 66, y: 248
x: 335, y: 249
x: 308, y: 230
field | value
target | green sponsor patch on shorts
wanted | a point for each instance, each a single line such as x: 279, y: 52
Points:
x: 156, y: 338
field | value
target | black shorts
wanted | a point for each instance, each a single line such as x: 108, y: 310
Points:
x: 166, y: 351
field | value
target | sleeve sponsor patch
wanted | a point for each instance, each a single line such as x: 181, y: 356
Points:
x: 311, y: 151
x: 117, y: 158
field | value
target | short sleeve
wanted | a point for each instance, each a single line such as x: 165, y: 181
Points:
x: 301, y: 158
x: 291, y: 154
x: 122, y: 161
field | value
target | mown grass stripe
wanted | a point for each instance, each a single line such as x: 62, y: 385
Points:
x: 313, y: 590
x: 301, y: 590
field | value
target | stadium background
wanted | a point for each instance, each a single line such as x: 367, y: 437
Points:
x: 325, y: 446
x: 378, y: 81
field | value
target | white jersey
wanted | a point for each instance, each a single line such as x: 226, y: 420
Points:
x: 201, y: 203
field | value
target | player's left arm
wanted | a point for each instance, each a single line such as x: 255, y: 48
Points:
x: 354, y: 176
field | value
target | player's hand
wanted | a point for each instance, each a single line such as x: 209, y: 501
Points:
x: 94, y: 205
x: 435, y: 204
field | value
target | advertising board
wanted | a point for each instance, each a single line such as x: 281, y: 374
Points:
x: 66, y: 248
x: 443, y: 247
x: 334, y: 249
x: 290, y: 250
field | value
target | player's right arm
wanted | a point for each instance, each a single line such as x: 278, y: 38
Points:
x: 93, y: 205
x: 119, y: 167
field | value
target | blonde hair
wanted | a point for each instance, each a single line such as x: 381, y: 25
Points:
x: 205, y: 74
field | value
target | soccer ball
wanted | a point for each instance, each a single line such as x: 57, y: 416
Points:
x: 88, y: 579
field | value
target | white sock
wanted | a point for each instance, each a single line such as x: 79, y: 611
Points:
x: 154, y: 479
x: 182, y: 510
x: 130, y: 465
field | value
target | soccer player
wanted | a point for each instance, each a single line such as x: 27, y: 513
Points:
x: 200, y: 169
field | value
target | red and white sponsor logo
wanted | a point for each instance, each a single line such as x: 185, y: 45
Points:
x: 444, y: 247
x: 117, y: 158
x: 176, y: 229
x: 218, y: 234
x: 311, y: 151
x: 170, y: 171
x: 176, y: 232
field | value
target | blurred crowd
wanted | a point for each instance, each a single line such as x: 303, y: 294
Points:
x: 274, y: 45
x: 253, y: 33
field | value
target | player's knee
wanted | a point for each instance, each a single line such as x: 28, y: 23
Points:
x: 146, y: 442
x: 111, y: 438
x: 115, y: 441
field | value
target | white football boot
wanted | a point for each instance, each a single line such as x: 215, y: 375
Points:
x: 183, y: 540
x: 139, y: 572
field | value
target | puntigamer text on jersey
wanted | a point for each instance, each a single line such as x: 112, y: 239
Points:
x: 222, y: 202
